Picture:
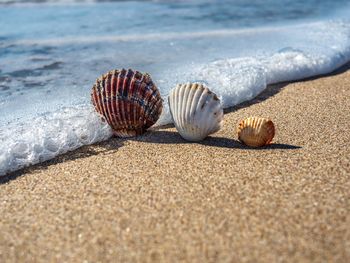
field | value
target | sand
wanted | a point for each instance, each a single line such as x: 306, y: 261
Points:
x: 159, y: 198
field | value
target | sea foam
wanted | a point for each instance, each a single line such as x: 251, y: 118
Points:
x: 237, y: 71
x: 50, y: 135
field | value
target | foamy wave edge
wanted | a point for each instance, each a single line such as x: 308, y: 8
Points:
x: 48, y: 136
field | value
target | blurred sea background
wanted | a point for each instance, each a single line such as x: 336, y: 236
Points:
x: 51, y: 52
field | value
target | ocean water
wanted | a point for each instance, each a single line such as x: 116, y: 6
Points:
x: 51, y: 52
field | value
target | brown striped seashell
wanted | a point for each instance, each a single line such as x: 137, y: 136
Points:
x: 128, y: 100
x: 256, y: 131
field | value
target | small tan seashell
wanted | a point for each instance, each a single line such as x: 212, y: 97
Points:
x: 256, y: 131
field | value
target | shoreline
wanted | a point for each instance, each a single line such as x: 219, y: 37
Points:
x: 158, y: 197
x: 270, y: 91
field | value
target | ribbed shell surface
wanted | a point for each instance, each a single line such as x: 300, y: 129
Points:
x: 128, y: 100
x: 256, y: 131
x: 196, y: 111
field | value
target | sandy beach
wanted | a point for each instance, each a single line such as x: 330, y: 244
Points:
x: 157, y: 198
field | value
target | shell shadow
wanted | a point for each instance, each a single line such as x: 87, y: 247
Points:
x: 170, y: 137
x: 234, y: 144
x: 103, y: 148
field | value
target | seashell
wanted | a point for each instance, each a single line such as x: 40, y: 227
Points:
x: 256, y: 131
x: 196, y: 111
x: 128, y: 100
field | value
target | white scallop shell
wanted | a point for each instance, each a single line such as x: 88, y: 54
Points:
x: 196, y: 111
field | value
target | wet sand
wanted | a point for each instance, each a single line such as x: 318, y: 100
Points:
x: 159, y: 198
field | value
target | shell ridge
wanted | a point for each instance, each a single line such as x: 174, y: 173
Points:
x: 104, y: 101
x: 182, y: 113
x: 188, y: 100
x: 195, y: 101
x: 148, y: 105
x: 114, y: 96
x: 113, y: 99
x: 108, y: 98
x: 139, y: 95
x: 174, y: 107
x: 131, y: 103
x: 135, y: 100
x: 180, y: 102
x: 127, y: 90
x: 131, y: 97
x: 177, y: 105
x: 96, y: 99
x: 123, y: 94
x: 120, y: 102
x: 143, y: 95
x: 118, y: 81
x: 203, y: 117
x: 201, y: 103
x: 117, y: 92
